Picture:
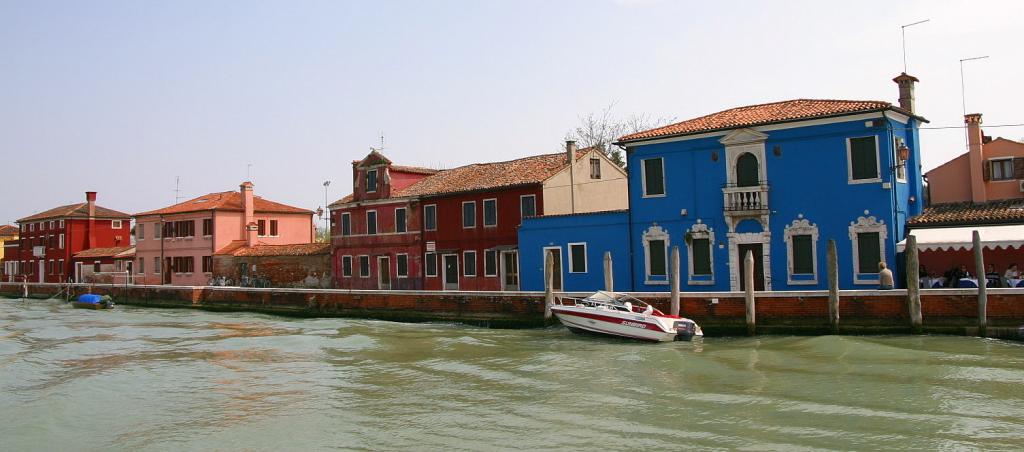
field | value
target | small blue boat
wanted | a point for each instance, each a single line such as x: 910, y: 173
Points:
x: 93, y: 301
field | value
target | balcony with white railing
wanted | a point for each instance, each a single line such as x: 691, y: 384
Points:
x: 752, y: 199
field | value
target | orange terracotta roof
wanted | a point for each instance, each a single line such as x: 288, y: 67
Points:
x: 1010, y: 211
x: 228, y: 200
x: 8, y: 230
x: 103, y: 252
x: 753, y: 115
x: 298, y: 249
x: 485, y: 176
x: 80, y: 210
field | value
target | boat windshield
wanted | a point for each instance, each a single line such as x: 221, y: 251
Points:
x: 614, y: 298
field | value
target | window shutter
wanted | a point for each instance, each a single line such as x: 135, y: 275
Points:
x: 986, y: 170
x: 803, y: 259
x: 1018, y: 168
x: 868, y: 252
x: 657, y: 257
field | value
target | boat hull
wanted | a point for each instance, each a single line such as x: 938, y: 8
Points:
x: 86, y: 305
x: 609, y: 324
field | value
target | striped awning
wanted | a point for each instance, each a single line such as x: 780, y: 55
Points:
x: 961, y: 238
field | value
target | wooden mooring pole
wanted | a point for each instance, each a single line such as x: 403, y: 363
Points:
x: 979, y: 270
x: 913, y: 283
x: 674, y: 281
x: 549, y: 281
x: 609, y: 280
x: 748, y: 279
x: 833, y: 286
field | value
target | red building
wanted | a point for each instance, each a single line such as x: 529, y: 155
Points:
x: 378, y: 226
x: 49, y: 239
x: 456, y: 229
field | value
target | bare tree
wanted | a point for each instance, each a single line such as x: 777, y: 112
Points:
x: 602, y: 128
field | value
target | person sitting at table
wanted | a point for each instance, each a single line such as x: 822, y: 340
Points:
x: 1012, y: 272
x: 923, y: 273
x: 991, y: 276
x: 884, y: 277
x: 956, y: 274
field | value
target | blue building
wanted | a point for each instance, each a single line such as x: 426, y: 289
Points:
x: 778, y: 180
x: 579, y: 241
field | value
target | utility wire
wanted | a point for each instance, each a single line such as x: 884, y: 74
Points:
x: 986, y: 126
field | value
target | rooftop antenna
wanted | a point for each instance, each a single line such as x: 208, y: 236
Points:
x: 248, y: 172
x: 903, y: 33
x: 963, y: 95
x: 177, y: 189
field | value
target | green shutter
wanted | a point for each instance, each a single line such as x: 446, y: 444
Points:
x: 653, y: 177
x: 868, y: 252
x: 863, y: 158
x: 747, y: 173
x: 701, y: 256
x: 656, y: 257
x: 803, y: 255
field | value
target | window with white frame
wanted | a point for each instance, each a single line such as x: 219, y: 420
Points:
x: 801, y: 237
x: 61, y: 241
x: 156, y: 230
x: 578, y: 257
x: 400, y: 222
x: 346, y: 223
x: 490, y: 212
x: 430, y: 217
x: 346, y: 266
x: 371, y: 222
x: 402, y: 264
x: 364, y: 266
x: 653, y: 177
x: 655, y: 241
x: 862, y: 159
x: 527, y: 206
x: 469, y: 263
x: 115, y: 224
x: 430, y: 264
x: 61, y: 223
x: 867, y: 236
x: 700, y: 257
x: 371, y: 181
x: 468, y: 214
x: 490, y: 262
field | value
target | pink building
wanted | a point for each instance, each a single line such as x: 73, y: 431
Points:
x: 176, y: 244
x: 990, y: 170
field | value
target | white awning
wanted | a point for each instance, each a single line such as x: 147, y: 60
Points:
x: 992, y: 237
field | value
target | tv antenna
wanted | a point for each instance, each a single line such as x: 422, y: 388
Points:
x: 903, y: 34
x: 177, y: 189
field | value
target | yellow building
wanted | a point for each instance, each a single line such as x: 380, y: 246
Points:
x: 7, y: 232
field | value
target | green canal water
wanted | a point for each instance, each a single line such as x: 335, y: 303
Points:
x: 154, y: 379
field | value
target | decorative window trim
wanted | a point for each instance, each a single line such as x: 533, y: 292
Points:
x: 700, y: 230
x: 741, y: 142
x: 867, y: 223
x: 643, y: 179
x: 655, y: 232
x: 736, y: 260
x: 801, y: 226
x: 571, y: 261
x: 849, y: 163
x: 484, y: 213
x: 425, y: 216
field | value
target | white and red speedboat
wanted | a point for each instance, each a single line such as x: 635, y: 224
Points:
x: 618, y: 314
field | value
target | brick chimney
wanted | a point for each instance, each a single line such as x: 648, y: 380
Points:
x: 249, y: 213
x: 975, y: 157
x: 906, y: 84
x: 90, y: 203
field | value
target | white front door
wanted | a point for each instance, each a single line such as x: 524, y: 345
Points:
x: 509, y: 270
x: 78, y: 272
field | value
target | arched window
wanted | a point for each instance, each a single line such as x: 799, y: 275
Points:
x: 747, y: 173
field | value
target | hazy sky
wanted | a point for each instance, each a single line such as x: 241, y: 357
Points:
x: 121, y: 97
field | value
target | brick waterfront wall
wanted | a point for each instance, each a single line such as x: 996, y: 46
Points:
x: 281, y: 271
x: 949, y: 311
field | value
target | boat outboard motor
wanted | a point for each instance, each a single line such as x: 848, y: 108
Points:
x: 685, y: 330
